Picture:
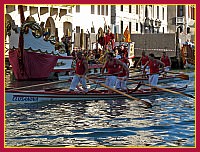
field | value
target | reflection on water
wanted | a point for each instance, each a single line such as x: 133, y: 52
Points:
x: 170, y: 122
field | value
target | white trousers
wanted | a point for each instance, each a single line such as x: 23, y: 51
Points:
x: 146, y: 69
x: 111, y: 81
x: 153, y: 79
x: 75, y: 82
x: 167, y: 68
x: 121, y: 83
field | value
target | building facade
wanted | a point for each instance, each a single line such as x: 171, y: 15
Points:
x: 181, y: 19
x: 61, y: 20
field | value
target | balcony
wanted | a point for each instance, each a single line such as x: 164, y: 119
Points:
x: 179, y: 20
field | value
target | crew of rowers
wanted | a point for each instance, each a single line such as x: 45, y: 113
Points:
x: 151, y: 67
x: 117, y: 68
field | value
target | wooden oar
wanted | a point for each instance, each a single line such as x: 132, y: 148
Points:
x: 37, y: 85
x: 122, y: 93
x: 180, y: 75
x: 168, y: 90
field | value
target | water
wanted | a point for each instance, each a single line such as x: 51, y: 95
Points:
x: 111, y: 123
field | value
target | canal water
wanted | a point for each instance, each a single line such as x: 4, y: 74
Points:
x: 110, y: 123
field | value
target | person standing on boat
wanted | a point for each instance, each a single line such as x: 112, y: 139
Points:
x: 80, y: 72
x: 123, y: 76
x: 143, y: 60
x: 166, y: 60
x: 154, y: 65
x: 112, y: 65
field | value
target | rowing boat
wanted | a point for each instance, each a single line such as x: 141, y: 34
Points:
x: 60, y: 94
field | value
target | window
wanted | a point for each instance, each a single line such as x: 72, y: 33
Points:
x: 130, y: 8
x: 136, y: 26
x: 163, y: 13
x: 78, y: 8
x: 157, y: 12
x: 98, y: 9
x: 77, y: 29
x: 102, y: 9
x: 129, y: 27
x: 137, y: 9
x: 121, y: 8
x: 122, y: 27
x: 92, y: 9
x: 180, y: 11
x: 106, y: 10
x: 193, y: 13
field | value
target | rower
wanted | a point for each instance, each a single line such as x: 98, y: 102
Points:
x: 154, y: 65
x: 123, y: 76
x: 80, y: 72
x: 166, y: 60
x: 112, y: 66
x: 143, y: 61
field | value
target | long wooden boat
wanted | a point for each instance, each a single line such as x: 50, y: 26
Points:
x: 58, y: 94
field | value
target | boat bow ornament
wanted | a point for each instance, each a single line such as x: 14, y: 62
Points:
x: 35, y: 27
x: 10, y: 24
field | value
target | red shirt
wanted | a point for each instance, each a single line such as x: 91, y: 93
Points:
x: 80, y: 68
x: 124, y: 60
x: 165, y: 60
x: 154, y: 66
x: 144, y: 59
x: 112, y: 67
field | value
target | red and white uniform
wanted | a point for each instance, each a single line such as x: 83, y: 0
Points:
x: 166, y: 61
x: 113, y: 69
x: 143, y: 62
x: 79, y: 71
x: 154, y: 72
x: 121, y: 79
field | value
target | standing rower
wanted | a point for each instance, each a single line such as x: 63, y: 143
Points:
x: 112, y: 66
x: 143, y: 61
x: 154, y: 65
x: 80, y: 72
x: 123, y: 76
x: 166, y: 60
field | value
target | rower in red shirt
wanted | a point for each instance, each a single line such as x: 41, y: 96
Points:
x: 80, y: 72
x: 122, y: 77
x: 154, y: 65
x: 166, y: 60
x: 143, y: 61
x: 112, y: 66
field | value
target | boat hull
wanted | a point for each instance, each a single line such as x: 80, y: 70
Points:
x: 21, y: 96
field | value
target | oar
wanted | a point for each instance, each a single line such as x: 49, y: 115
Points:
x: 134, y: 70
x: 168, y: 90
x: 122, y: 93
x: 180, y: 75
x: 37, y: 85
